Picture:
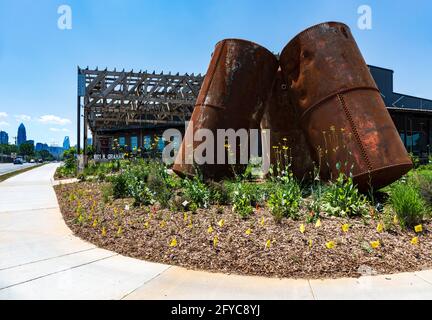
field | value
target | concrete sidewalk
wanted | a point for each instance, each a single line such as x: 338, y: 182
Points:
x: 41, y: 259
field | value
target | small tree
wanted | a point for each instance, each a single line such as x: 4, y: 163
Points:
x: 69, y: 158
x: 45, y: 155
x: 26, y: 149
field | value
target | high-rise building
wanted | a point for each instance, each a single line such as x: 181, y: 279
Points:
x: 4, y: 137
x: 22, y: 136
x: 66, y: 143
x: 41, y: 146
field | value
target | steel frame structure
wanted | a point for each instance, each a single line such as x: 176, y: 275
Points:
x: 114, y: 99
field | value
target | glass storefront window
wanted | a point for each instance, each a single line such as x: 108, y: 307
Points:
x: 122, y: 141
x: 147, y: 142
x: 134, y: 143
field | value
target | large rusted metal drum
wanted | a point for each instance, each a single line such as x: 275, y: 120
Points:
x: 233, y: 96
x: 341, y: 110
x: 288, y: 145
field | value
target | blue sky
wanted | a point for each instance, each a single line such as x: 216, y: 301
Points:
x: 38, y: 60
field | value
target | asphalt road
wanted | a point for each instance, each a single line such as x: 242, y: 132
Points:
x: 10, y: 167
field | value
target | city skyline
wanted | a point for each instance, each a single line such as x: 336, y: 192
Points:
x: 14, y: 140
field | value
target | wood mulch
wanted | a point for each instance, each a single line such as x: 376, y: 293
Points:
x: 253, y: 246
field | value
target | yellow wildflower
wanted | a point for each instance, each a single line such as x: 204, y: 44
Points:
x: 262, y: 221
x: 185, y: 217
x: 345, y: 227
x: 415, y: 240
x: 330, y: 244
x: 104, y: 232
x: 310, y: 243
x: 380, y: 227
x: 210, y: 229
x: 119, y: 231
x: 221, y: 223
x: 418, y: 228
x: 215, y: 241
x: 146, y: 224
x: 248, y: 231
x: 94, y: 223
x: 302, y: 228
x: 318, y: 223
x: 395, y: 220
x: 375, y: 244
x: 268, y: 244
x: 173, y: 242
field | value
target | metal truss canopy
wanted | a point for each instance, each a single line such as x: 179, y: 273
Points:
x: 119, y: 98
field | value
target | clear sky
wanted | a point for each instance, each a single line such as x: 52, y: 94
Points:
x: 38, y: 60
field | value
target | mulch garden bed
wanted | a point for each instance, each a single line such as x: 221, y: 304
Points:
x: 253, y: 246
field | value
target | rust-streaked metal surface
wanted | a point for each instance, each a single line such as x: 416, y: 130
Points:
x: 341, y: 109
x: 233, y: 95
x: 287, y: 139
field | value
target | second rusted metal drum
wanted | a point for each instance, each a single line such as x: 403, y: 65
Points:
x: 288, y: 143
x: 233, y: 96
x: 341, y: 110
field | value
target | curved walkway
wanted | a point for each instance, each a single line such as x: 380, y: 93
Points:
x: 41, y: 259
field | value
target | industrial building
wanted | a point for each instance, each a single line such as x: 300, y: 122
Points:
x: 411, y: 115
x: 131, y: 108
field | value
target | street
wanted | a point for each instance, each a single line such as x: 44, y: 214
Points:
x: 10, y: 167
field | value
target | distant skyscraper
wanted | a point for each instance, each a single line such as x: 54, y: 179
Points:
x: 22, y: 136
x: 41, y: 146
x: 66, y: 143
x: 4, y: 137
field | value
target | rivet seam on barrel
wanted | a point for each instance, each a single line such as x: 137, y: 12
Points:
x: 317, y: 104
x: 355, y: 132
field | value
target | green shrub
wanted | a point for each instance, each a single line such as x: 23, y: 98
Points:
x: 343, y: 199
x: 160, y: 183
x: 219, y: 194
x: 142, y: 194
x: 407, y: 203
x: 120, y: 186
x: 285, y: 200
x: 425, y: 186
x: 196, y: 192
x: 242, y: 200
x: 107, y: 192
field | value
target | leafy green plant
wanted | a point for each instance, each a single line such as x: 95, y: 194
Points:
x: 142, y: 194
x: 196, y: 191
x: 161, y: 183
x: 120, y: 186
x: 107, y: 192
x: 285, y: 201
x: 407, y: 204
x: 219, y: 194
x: 415, y: 160
x: 242, y: 200
x: 343, y: 199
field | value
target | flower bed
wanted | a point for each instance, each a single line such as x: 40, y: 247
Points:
x: 262, y: 241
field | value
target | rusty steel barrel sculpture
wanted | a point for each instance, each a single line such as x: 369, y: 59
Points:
x: 233, y: 96
x: 288, y: 143
x: 341, y: 110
